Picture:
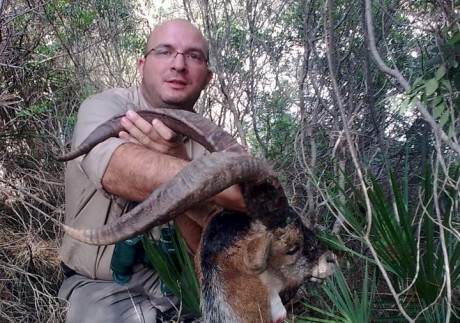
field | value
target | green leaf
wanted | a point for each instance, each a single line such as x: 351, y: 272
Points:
x: 440, y: 72
x: 349, y: 306
x: 413, y: 100
x: 439, y: 110
x: 444, y: 118
x: 404, y: 105
x: 437, y: 100
x: 454, y: 39
x: 181, y: 281
x: 446, y: 84
x: 431, y: 86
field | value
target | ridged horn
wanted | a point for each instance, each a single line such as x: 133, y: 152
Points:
x: 200, y: 129
x: 200, y: 180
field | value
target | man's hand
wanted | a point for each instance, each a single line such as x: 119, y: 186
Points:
x: 158, y: 137
x: 231, y: 198
x: 155, y: 135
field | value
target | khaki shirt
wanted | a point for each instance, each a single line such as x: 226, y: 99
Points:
x: 88, y: 205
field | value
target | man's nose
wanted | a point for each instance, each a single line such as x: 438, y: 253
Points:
x: 178, y: 62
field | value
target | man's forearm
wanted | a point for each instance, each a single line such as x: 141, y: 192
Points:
x: 134, y: 172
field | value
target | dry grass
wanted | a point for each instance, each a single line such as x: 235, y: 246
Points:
x: 30, y: 275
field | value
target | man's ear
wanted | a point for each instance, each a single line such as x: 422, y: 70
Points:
x: 209, y: 77
x: 140, y: 66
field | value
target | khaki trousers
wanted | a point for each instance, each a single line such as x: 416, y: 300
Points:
x: 98, y: 301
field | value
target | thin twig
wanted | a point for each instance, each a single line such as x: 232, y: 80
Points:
x: 357, y: 166
x: 402, y: 81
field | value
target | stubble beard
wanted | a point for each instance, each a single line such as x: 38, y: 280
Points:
x: 180, y: 103
x: 170, y: 101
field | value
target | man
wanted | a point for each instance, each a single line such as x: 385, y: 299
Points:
x: 101, y: 185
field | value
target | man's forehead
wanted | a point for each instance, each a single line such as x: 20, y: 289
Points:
x: 176, y: 33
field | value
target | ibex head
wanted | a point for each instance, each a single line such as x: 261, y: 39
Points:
x: 245, y: 261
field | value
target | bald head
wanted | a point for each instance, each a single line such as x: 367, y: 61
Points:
x: 178, y: 28
x: 170, y: 80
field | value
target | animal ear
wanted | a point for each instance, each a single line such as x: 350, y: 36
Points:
x: 257, y: 250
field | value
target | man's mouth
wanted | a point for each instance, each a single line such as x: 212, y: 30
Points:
x: 176, y: 83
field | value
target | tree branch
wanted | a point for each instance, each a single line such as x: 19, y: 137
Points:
x: 402, y: 81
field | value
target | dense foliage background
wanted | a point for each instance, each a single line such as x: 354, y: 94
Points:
x: 355, y: 103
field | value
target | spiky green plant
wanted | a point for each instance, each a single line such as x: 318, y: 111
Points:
x: 348, y: 305
x: 416, y: 240
x: 176, y: 270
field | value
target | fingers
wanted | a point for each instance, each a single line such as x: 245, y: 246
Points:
x: 139, y: 122
x: 155, y: 135
x: 138, y: 130
x: 231, y: 198
x: 165, y: 132
x: 144, y: 132
x: 126, y: 136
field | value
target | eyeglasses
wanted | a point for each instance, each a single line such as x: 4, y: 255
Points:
x: 193, y: 58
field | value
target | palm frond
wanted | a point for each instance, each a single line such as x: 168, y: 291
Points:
x: 175, y: 267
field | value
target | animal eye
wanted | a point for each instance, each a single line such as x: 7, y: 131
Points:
x: 293, y: 250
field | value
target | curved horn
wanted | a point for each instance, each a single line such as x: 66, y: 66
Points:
x: 187, y: 123
x: 200, y: 180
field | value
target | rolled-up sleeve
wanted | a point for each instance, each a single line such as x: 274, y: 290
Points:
x: 94, y: 111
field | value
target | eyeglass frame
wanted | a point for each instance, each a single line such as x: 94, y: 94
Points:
x: 173, y: 57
